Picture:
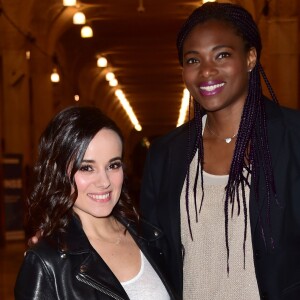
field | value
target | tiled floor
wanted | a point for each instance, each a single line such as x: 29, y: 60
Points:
x: 11, y: 256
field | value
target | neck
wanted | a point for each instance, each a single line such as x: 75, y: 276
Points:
x: 223, y: 125
x: 102, y: 226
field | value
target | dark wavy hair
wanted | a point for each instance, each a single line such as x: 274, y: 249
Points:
x: 252, y: 148
x: 61, y: 150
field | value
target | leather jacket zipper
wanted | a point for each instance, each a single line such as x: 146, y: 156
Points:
x: 87, y: 280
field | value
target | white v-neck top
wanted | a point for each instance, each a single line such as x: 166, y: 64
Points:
x: 146, y: 285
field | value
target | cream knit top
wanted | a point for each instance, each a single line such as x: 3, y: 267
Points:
x: 205, y: 258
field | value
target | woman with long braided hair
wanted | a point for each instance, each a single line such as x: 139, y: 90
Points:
x: 225, y: 187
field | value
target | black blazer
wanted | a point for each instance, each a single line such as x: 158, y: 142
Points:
x: 69, y: 268
x: 277, y: 269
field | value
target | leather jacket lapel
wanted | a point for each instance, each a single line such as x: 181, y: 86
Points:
x: 94, y: 272
x: 92, y: 269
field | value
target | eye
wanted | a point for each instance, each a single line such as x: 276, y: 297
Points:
x: 86, y: 168
x: 191, y: 60
x: 223, y: 55
x: 115, y: 165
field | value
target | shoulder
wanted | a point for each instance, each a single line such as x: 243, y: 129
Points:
x: 143, y: 230
x: 44, y: 251
x: 288, y: 118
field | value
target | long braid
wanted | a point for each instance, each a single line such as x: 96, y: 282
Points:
x: 252, y: 142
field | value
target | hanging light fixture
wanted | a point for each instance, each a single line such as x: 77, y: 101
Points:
x: 79, y: 18
x: 102, y: 62
x: 54, y: 76
x: 86, y: 31
x: 69, y: 2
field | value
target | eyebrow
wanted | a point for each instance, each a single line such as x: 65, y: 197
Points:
x: 93, y: 161
x: 213, y: 49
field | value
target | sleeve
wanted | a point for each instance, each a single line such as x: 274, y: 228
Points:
x: 34, y: 281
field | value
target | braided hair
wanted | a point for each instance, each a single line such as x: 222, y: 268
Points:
x: 251, y: 151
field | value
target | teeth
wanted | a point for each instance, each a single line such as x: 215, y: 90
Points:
x: 99, y: 197
x: 211, y: 87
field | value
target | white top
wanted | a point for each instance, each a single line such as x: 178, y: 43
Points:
x: 205, y: 261
x: 146, y: 285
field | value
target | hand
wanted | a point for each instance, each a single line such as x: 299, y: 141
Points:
x: 34, y: 239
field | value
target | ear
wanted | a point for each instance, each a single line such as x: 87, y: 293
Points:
x: 251, y: 59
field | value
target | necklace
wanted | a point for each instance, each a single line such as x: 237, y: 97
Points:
x: 227, y: 140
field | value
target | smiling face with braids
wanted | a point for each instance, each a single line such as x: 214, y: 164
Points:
x: 216, y: 66
x: 219, y: 47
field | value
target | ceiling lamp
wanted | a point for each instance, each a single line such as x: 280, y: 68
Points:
x: 119, y: 93
x: 69, y: 2
x: 204, y: 1
x: 54, y: 76
x: 113, y: 82
x: 124, y: 102
x: 102, y: 62
x: 109, y: 76
x: 79, y: 18
x: 86, y: 32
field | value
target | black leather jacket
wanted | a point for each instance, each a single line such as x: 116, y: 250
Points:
x: 69, y: 268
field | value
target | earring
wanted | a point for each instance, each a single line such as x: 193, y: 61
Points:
x: 249, y: 70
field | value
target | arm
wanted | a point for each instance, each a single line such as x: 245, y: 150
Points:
x: 34, y: 281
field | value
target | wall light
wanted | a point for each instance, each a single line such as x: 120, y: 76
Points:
x: 184, y: 107
x: 76, y: 97
x: 102, y: 62
x: 54, y: 76
x: 86, y: 31
x: 27, y: 54
x: 204, y: 1
x: 69, y: 2
x: 79, y: 18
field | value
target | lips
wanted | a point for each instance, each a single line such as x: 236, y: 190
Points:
x: 99, y: 197
x: 211, y: 88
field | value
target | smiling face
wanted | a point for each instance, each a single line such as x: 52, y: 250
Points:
x: 216, y: 65
x: 99, y: 179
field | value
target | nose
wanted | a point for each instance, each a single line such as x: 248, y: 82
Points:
x: 102, y: 179
x: 208, y: 69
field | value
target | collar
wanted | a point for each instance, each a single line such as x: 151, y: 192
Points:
x: 75, y: 241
